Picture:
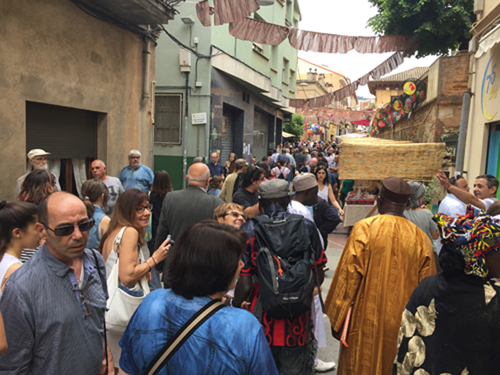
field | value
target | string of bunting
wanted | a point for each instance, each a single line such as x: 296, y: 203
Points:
x: 236, y: 12
x: 322, y: 101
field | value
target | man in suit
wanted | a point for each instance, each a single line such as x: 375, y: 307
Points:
x: 184, y: 208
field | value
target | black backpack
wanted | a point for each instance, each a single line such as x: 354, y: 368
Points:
x: 281, y: 176
x: 284, y: 261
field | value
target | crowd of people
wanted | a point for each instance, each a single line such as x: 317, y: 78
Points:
x: 225, y: 276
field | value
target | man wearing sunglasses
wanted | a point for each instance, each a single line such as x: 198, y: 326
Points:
x: 58, y: 298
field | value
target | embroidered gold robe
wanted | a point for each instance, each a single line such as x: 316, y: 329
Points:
x: 383, y: 261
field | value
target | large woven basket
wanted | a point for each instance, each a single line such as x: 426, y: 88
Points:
x: 375, y: 159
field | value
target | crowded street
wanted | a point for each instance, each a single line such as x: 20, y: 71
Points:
x: 249, y: 187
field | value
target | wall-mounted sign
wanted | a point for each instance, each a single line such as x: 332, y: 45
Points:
x: 199, y: 118
x: 489, y: 90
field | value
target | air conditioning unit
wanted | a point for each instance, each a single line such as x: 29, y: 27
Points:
x: 478, y: 6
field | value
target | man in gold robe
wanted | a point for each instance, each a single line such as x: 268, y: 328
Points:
x: 383, y: 261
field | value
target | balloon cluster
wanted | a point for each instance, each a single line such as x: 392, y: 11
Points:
x: 400, y: 107
x: 311, y: 128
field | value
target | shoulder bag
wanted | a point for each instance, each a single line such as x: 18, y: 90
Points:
x: 123, y: 301
x: 174, y: 344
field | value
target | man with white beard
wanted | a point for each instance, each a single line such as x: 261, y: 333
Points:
x: 38, y: 160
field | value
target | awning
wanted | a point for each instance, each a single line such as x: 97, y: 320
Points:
x: 287, y: 135
x: 488, y: 41
x: 362, y: 122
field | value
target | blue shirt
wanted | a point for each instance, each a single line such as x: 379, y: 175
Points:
x: 215, y: 170
x: 230, y: 342
x: 140, y: 178
x: 214, y: 192
x: 95, y: 232
x: 50, y: 328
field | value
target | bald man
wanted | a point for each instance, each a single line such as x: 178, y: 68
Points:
x: 115, y: 187
x: 57, y: 299
x: 183, y: 208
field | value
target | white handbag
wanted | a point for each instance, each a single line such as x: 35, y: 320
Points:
x: 122, y: 305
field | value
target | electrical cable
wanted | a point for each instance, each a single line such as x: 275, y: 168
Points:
x: 197, y: 54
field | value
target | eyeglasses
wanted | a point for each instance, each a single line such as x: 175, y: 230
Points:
x: 236, y: 215
x: 85, y: 309
x: 141, y: 209
x: 67, y: 230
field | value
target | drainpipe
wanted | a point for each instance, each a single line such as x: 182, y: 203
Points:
x: 184, y: 143
x: 146, y: 56
x: 462, y: 135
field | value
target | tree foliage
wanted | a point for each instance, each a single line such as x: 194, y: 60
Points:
x: 438, y: 25
x: 296, y: 126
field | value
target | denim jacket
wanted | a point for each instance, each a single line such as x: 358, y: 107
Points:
x: 232, y: 341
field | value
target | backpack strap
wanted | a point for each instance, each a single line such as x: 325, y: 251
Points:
x: 174, y: 344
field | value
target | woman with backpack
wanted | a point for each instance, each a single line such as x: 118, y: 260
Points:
x: 282, y: 171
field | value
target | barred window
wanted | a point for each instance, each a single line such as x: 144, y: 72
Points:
x: 168, y: 118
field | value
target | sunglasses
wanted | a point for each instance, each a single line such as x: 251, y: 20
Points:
x: 236, y: 215
x: 67, y: 230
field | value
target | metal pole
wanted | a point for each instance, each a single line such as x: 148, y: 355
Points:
x: 462, y: 136
x: 186, y: 120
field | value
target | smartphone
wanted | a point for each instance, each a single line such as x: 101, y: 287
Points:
x: 170, y: 240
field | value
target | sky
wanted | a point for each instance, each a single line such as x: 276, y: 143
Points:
x: 347, y: 17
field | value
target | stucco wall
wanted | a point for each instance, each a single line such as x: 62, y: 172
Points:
x: 384, y: 96
x: 54, y: 53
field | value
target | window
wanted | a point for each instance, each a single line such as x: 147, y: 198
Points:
x: 289, y: 13
x: 168, y: 118
x: 274, y: 58
x: 284, y: 76
x: 258, y: 48
x: 291, y: 81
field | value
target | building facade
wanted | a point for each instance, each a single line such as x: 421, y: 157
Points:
x: 77, y: 86
x: 482, y: 151
x: 237, y: 91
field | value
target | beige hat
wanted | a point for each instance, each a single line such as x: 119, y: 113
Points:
x: 304, y: 182
x: 37, y: 152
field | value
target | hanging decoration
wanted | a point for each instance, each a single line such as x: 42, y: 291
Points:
x: 236, y: 12
x: 322, y: 101
x: 400, y: 107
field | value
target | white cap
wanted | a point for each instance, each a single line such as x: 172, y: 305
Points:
x: 37, y: 152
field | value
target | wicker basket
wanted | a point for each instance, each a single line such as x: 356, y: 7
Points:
x: 375, y: 159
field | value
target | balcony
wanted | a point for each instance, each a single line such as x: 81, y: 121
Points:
x: 138, y: 12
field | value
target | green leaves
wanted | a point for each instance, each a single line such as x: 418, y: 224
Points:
x: 438, y: 25
x: 296, y: 126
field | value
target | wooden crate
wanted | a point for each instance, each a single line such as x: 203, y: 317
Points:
x: 375, y: 159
